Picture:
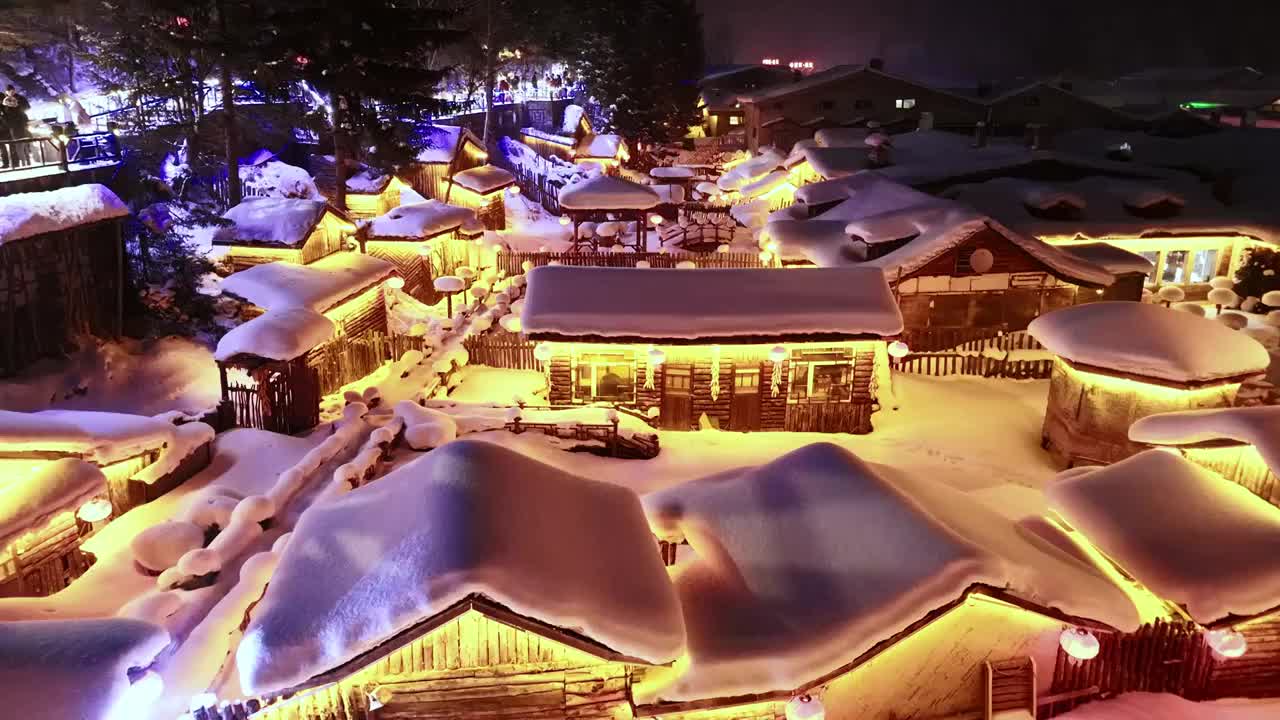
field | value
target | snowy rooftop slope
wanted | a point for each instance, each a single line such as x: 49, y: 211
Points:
x: 102, y: 437
x: 604, y: 192
x: 419, y: 220
x: 1258, y: 426
x: 599, y: 146
x: 318, y: 286
x: 25, y: 215
x: 468, y: 517
x: 821, y: 242
x: 1114, y: 260
x: 75, y: 669
x: 32, y: 499
x: 1163, y: 706
x: 1149, y: 340
x: 277, y: 179
x: 368, y: 181
x: 441, y: 143
x: 751, y: 169
x: 703, y: 305
x: 271, y: 221
x: 1188, y: 534
x: 805, y: 563
x: 840, y: 137
x: 279, y: 334
x: 1106, y: 208
x: 484, y: 179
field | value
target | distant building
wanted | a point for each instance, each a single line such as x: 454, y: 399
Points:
x: 1053, y: 105
x: 722, y: 113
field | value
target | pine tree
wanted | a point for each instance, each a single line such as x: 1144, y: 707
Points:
x: 373, y: 59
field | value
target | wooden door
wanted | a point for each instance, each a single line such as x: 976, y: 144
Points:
x: 744, y: 413
x: 677, y: 407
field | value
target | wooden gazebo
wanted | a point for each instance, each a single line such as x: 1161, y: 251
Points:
x: 603, y: 198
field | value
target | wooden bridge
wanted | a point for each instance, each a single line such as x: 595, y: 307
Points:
x: 45, y: 163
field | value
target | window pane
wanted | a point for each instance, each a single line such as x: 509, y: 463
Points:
x: 831, y: 382
x: 1174, y: 266
x: 613, y: 381
x: 799, y: 381
x: 1203, y: 265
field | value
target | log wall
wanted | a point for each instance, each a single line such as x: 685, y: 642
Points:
x: 1257, y: 672
x: 1241, y: 464
x: 44, y: 562
x: 243, y: 257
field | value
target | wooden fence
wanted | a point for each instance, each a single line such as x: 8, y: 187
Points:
x: 828, y: 417
x: 985, y: 352
x: 501, y: 349
x: 348, y: 358
x: 539, y: 189
x: 513, y: 263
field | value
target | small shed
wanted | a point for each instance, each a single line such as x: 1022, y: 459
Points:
x: 1130, y: 270
x: 751, y: 349
x: 40, y: 532
x: 1121, y: 361
x: 370, y: 192
x: 62, y: 271
x: 603, y: 198
x: 449, y: 149
x: 270, y: 229
x: 425, y: 240
x: 481, y: 189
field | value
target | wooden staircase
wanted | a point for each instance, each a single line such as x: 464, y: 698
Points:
x: 1010, y: 688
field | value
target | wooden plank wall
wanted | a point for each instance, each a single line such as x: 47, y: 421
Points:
x: 1257, y: 672
x: 243, y: 257
x: 1241, y: 464
x: 45, y: 562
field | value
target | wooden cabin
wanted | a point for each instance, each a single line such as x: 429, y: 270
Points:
x: 425, y: 241
x: 370, y: 192
x: 481, y: 189
x: 47, y: 512
x: 603, y: 198
x: 577, y: 141
x: 63, y: 271
x: 1052, y: 105
x: 1118, y: 362
x: 449, y: 150
x: 270, y: 229
x: 759, y: 349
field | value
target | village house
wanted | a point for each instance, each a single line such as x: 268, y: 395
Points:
x: 1049, y: 107
x: 62, y: 271
x: 846, y: 95
x: 449, y: 149
x: 577, y: 141
x: 722, y: 112
x: 804, y: 351
x: 271, y: 229
x: 424, y: 240
x: 370, y: 192
x: 1118, y: 362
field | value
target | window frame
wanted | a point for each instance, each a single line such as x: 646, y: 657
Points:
x: 594, y: 361
x: 809, y: 366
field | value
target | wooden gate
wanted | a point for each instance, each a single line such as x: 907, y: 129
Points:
x: 744, y: 412
x: 828, y: 417
x: 1011, y: 685
x: 677, y: 405
x: 286, y: 398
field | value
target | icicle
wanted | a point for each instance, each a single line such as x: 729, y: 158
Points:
x: 776, y: 356
x: 715, y: 373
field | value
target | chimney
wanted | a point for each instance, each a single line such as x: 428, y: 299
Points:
x: 876, y: 64
x: 926, y: 121
x: 984, y: 89
x: 980, y: 134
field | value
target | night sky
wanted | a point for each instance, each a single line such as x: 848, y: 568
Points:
x: 958, y: 42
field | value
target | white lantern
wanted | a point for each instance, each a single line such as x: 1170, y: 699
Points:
x: 1226, y: 644
x: 514, y: 190
x: 777, y: 354
x: 1079, y: 644
x: 542, y: 351
x: 395, y: 282
x: 686, y: 265
x: 564, y: 220
x: 656, y: 219
x: 898, y: 349
x: 95, y: 510
x: 656, y: 357
x: 722, y: 249
x: 1222, y: 282
x: 805, y: 707
x: 981, y: 260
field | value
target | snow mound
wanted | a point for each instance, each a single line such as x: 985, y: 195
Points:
x: 599, y: 146
x: 1149, y: 340
x: 1141, y: 512
x: 1160, y: 706
x: 25, y: 215
x: 484, y: 179
x: 158, y: 548
x: 318, y: 286
x: 63, y: 669
x: 1114, y: 260
x: 279, y: 179
x: 603, y: 192
x: 440, y: 143
x: 1258, y: 426
x: 276, y: 335
x: 419, y: 220
x: 100, y: 437
x: 388, y: 555
x: 32, y: 499
x: 640, y: 303
x: 803, y: 564
x: 750, y: 170
x: 271, y: 221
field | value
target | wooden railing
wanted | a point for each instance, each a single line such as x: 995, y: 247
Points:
x: 514, y: 262
x: 63, y: 153
x: 985, y: 352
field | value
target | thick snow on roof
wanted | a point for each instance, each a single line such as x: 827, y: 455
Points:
x: 25, y: 215
x: 1106, y: 208
x: 318, y: 286
x: 599, y: 146
x: 707, y: 304
x: 419, y: 220
x: 273, y: 178
x: 818, y: 79
x: 603, y: 192
x: 32, y: 499
x: 572, y: 117
x: 441, y: 142
x: 674, y: 171
x: 1163, y: 706
x: 103, y: 437
x: 840, y: 137
x: 484, y: 179
x: 1188, y: 534
x: 272, y: 221
x: 821, y: 242
x: 75, y: 669
x: 279, y: 334
x: 1258, y: 426
x: 751, y: 169
x: 1149, y: 340
x: 368, y: 181
x: 803, y: 564
x: 469, y: 517
x: 1114, y: 260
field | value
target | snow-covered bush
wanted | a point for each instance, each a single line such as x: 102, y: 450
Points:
x: 159, y: 547
x: 1223, y: 297
x: 1193, y: 308
x: 1235, y: 321
x: 1170, y: 294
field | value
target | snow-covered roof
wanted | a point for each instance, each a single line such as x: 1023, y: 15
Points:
x: 272, y: 178
x: 1258, y: 426
x: 599, y: 146
x: 1114, y: 260
x: 604, y: 192
x: 280, y: 334
x: 102, y: 437
x: 318, y: 286
x: 674, y: 171
x: 286, y: 222
x: 484, y: 179
x: 712, y: 305
x: 419, y: 220
x: 1111, y: 207
x: 821, y: 242
x: 577, y: 554
x: 77, y: 669
x: 750, y: 169
x: 1151, y: 341
x: 1188, y: 534
x: 818, y: 79
x: 368, y: 181
x: 441, y: 143
x: 839, y: 137
x: 31, y: 499
x: 572, y: 118
x: 805, y: 563
x: 24, y: 215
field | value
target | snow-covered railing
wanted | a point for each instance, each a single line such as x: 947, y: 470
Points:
x: 1014, y: 355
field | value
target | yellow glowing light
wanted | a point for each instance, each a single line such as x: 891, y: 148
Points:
x: 514, y: 190
x: 94, y: 510
x: 564, y: 220
x: 341, y: 312
x: 1203, y: 396
x: 657, y: 357
x: 899, y: 349
x: 656, y: 219
x: 1079, y: 643
x: 395, y: 282
x: 1150, y: 606
x: 1226, y: 643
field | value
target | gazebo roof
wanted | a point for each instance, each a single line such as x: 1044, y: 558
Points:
x: 604, y: 192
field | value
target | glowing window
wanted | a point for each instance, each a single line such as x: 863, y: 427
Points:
x: 735, y: 119
x: 830, y: 380
x: 1175, y: 267
x: 605, y: 377
x: 1203, y: 264
x: 904, y: 103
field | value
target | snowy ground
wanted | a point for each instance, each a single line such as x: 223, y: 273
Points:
x: 1156, y: 706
